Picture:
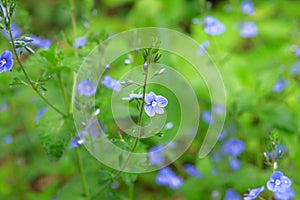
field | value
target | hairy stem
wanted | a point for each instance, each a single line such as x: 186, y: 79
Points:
x: 31, y: 83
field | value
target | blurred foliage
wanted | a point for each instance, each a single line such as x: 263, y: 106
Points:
x: 250, y: 68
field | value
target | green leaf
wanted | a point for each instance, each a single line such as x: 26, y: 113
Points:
x: 128, y: 178
x: 54, y: 132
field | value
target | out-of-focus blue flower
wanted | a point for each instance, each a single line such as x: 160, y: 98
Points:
x: 248, y: 30
x: 154, y: 104
x: 202, y: 48
x: 234, y: 163
x: 207, y: 117
x: 278, y: 182
x: 232, y: 195
x: 287, y: 195
x: 297, y: 52
x: 86, y: 88
x: 80, y: 42
x: 15, y: 30
x: 40, y: 113
x: 233, y: 147
x: 40, y: 42
x: 8, y: 139
x: 167, y: 177
x: 247, y: 7
x: 96, y: 129
x: 296, y: 68
x: 78, y: 140
x: 111, y: 83
x: 253, y: 193
x: 156, y: 155
x: 169, y: 125
x: 192, y: 170
x: 280, y: 85
x: 212, y: 26
x: 6, y: 61
x: 3, y: 107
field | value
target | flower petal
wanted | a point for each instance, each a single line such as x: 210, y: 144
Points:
x: 149, y: 110
x: 159, y: 110
x: 162, y: 101
x: 150, y: 97
x: 286, y: 182
x: 271, y: 186
x: 7, y: 55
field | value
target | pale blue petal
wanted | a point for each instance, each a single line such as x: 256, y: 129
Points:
x: 149, y: 110
x: 159, y: 110
x: 162, y: 101
x: 150, y: 97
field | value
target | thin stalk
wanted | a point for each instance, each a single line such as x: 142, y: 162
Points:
x: 85, y: 186
x: 61, y: 85
x: 130, y: 193
x: 33, y: 86
x: 83, y: 179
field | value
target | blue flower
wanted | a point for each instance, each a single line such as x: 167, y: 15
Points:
x: 40, y: 113
x: 297, y: 52
x: 155, y: 104
x: 15, y: 30
x: 233, y: 147
x: 111, y: 83
x: 232, y: 195
x: 78, y: 140
x: 156, y: 155
x: 167, y: 177
x: 253, y: 193
x: 86, y: 88
x: 192, y: 170
x: 234, y: 163
x: 280, y: 85
x: 248, y: 30
x: 212, y: 26
x: 278, y: 153
x: 296, y: 68
x: 6, y: 61
x: 288, y: 194
x: 202, y: 48
x: 39, y: 42
x: 8, y: 139
x: 278, y: 182
x: 247, y: 7
x: 133, y: 96
x: 206, y: 116
x: 80, y: 42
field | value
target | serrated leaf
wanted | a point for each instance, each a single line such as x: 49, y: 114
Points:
x: 55, y: 133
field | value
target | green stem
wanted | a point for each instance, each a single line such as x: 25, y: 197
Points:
x: 61, y: 85
x: 83, y: 179
x: 85, y: 186
x: 34, y: 87
x: 130, y: 193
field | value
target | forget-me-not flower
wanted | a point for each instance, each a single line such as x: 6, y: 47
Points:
x: 247, y: 7
x: 234, y: 163
x: 111, y: 83
x: 287, y: 195
x: 78, y: 140
x: 248, y: 30
x: 167, y: 177
x: 6, y: 61
x: 15, y: 30
x: 80, y: 42
x: 295, y: 69
x: 86, y: 88
x: 212, y: 26
x: 280, y: 85
x: 253, y: 193
x: 233, y: 147
x: 278, y: 182
x: 8, y: 139
x: 192, y: 170
x: 155, y: 104
x: 40, y: 42
x: 232, y: 195
x: 156, y: 155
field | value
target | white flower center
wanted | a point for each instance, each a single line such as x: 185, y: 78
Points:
x: 154, y: 103
x: 277, y: 182
x: 2, y: 62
